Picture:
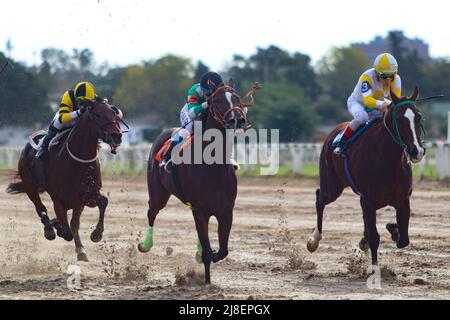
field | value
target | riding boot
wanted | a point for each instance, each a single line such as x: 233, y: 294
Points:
x: 167, y: 155
x: 43, y: 149
x: 341, y: 145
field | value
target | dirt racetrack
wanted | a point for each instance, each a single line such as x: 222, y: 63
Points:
x: 268, y: 259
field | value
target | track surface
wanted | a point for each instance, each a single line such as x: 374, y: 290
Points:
x: 268, y: 259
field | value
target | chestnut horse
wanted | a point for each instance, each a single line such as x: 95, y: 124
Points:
x: 209, y: 189
x: 379, y: 165
x: 73, y: 178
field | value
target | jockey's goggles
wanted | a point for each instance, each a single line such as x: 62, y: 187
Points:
x: 387, y: 76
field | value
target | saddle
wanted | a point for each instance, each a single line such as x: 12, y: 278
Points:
x: 355, y: 136
x: 347, y: 148
x: 38, y: 167
x: 165, y: 147
x: 37, y: 138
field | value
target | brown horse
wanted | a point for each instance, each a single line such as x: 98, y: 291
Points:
x: 379, y: 165
x: 73, y: 178
x: 209, y: 189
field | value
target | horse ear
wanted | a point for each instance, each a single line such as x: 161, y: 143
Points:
x: 415, y: 94
x: 212, y: 86
x: 231, y: 83
x: 394, y: 97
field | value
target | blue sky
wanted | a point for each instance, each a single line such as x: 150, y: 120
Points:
x: 126, y: 32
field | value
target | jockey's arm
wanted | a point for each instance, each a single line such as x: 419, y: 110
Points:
x: 367, y: 94
x: 65, y: 116
x: 195, y: 107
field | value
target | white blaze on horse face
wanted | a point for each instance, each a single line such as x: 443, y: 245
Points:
x: 229, y: 95
x: 409, y: 114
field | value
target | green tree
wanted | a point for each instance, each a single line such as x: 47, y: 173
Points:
x: 157, y: 88
x: 23, y: 98
x: 283, y: 106
x: 200, y: 70
x: 339, y: 72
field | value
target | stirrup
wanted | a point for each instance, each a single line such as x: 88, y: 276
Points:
x: 236, y: 165
x: 40, y: 154
x: 339, y: 150
x: 168, y: 166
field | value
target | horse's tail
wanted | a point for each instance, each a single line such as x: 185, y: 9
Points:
x: 15, y: 188
x: 18, y: 187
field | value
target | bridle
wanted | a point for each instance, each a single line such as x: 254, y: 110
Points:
x: 396, y: 136
x: 99, y: 128
x: 241, y: 109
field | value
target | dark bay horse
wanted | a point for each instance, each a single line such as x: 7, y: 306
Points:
x: 73, y: 178
x: 210, y: 189
x: 379, y: 163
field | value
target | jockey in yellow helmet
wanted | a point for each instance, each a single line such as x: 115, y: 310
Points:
x: 69, y: 110
x: 369, y: 99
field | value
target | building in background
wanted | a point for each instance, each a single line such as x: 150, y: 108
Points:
x: 380, y: 44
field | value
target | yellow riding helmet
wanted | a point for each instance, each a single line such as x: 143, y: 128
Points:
x: 385, y: 63
x: 84, y: 90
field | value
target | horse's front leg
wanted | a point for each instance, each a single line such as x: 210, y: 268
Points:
x: 201, y: 224
x: 75, y: 226
x: 403, y: 213
x: 102, y: 203
x: 61, y: 223
x: 224, y: 228
x: 371, y: 232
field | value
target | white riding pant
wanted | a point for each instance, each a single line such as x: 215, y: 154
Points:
x: 187, y: 125
x: 359, y: 113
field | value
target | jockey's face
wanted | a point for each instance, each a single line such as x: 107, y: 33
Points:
x: 386, y: 79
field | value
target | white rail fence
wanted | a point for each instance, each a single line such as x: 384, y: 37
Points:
x: 295, y: 155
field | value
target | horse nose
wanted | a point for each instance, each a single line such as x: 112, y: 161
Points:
x: 414, y: 152
x: 232, y: 123
x: 116, y: 138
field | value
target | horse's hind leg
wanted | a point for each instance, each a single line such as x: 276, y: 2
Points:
x: 201, y: 224
x: 31, y: 189
x: 322, y: 199
x: 75, y: 226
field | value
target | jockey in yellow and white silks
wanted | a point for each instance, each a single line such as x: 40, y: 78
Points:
x: 369, y: 99
x: 69, y: 110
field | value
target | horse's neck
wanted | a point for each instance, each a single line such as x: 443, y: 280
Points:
x: 213, y: 124
x: 83, y: 140
x: 389, y: 152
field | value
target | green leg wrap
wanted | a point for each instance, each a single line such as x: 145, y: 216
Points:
x: 199, y: 248
x: 148, y: 241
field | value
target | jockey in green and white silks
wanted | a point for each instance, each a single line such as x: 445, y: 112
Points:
x: 195, y: 106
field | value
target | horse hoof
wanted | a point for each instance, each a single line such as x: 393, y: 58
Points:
x: 198, y: 258
x: 402, y: 243
x: 82, y: 257
x: 312, y: 245
x: 49, y: 233
x: 364, y: 245
x: 142, y: 249
x: 68, y: 236
x: 393, y: 230
x: 96, y: 236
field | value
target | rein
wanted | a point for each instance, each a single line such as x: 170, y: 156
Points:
x: 398, y: 139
